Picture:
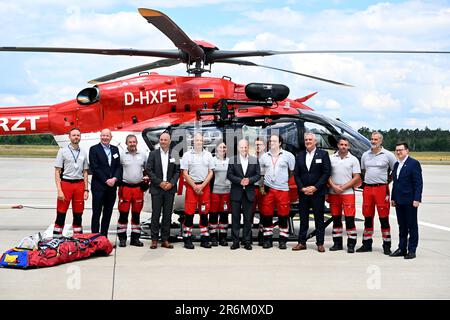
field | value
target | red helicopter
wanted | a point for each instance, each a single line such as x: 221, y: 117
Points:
x: 153, y: 100
x: 151, y: 103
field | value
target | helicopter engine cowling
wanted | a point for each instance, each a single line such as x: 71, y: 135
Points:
x: 266, y: 91
x: 88, y: 96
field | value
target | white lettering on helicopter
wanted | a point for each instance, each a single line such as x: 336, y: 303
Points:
x: 6, y: 124
x: 151, y: 97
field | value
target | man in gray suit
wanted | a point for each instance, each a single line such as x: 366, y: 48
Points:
x: 164, y: 174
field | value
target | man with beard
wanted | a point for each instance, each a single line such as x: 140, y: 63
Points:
x: 345, y: 176
x: 71, y: 177
x: 376, y: 166
x: 130, y: 194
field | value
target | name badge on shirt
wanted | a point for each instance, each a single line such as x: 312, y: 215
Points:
x: 172, y: 160
x: 115, y: 155
x: 318, y: 160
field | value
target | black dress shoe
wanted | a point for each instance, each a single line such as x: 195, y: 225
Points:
x: 248, y: 246
x: 398, y: 253
x: 410, y: 255
x: 235, y: 246
x: 282, y: 245
x: 122, y: 243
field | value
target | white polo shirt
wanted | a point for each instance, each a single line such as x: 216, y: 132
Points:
x: 343, y: 169
x: 277, y: 171
x: 376, y: 165
x: 133, y: 165
x: 197, y: 164
x: 221, y: 184
x: 74, y: 161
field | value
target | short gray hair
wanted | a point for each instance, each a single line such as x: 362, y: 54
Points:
x: 379, y: 134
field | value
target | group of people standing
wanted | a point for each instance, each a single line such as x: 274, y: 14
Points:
x: 219, y: 185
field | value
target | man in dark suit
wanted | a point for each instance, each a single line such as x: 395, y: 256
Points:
x: 406, y: 198
x: 312, y: 170
x: 104, y: 162
x: 243, y: 172
x: 164, y: 173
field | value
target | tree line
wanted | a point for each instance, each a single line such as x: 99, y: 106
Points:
x: 418, y: 140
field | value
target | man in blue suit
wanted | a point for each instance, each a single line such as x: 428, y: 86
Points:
x: 406, y: 197
x: 104, y: 162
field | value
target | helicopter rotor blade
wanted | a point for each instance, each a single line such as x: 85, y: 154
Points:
x: 173, y: 32
x: 153, y: 65
x: 226, y: 54
x: 248, y: 63
x: 173, y: 54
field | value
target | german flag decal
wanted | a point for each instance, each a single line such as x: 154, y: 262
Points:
x: 206, y: 93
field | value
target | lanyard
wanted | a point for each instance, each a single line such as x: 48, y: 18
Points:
x: 75, y: 159
x: 275, y: 163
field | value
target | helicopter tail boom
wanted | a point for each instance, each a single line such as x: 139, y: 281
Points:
x: 24, y: 120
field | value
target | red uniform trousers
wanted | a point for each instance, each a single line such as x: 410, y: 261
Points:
x: 376, y: 195
x: 280, y: 200
x: 220, y: 205
x: 73, y: 193
x: 194, y: 201
x: 130, y: 197
x: 346, y: 203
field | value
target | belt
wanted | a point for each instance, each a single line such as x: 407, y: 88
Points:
x: 375, y: 184
x: 72, y: 181
x: 129, y: 185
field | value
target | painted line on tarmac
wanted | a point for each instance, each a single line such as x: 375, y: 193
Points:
x: 427, y: 224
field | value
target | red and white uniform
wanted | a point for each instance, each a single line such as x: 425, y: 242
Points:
x: 342, y: 171
x: 276, y: 178
x: 197, y: 166
x: 130, y: 194
x: 376, y: 191
x: 72, y: 162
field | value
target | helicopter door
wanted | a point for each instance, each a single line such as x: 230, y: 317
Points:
x: 324, y: 137
x: 288, y: 129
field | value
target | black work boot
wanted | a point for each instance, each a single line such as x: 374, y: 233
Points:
x: 387, y: 247
x: 122, y: 243
x: 260, y: 238
x: 337, y: 244
x: 223, y: 239
x: 366, y: 246
x: 282, y: 243
x: 214, y: 242
x: 267, y: 243
x: 135, y: 240
x: 188, y: 243
x: 351, y: 243
x: 204, y: 242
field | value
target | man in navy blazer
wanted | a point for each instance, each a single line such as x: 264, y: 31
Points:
x: 406, y: 197
x: 104, y: 162
x: 312, y: 170
x: 243, y: 172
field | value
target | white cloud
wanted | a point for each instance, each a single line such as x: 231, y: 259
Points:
x: 397, y: 87
x: 379, y: 102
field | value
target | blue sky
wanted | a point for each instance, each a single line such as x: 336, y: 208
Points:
x: 391, y: 91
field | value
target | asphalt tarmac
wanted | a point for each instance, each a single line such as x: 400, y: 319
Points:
x: 220, y: 273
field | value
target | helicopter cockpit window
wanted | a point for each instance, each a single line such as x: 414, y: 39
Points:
x: 184, y: 137
x: 357, y: 141
x: 324, y: 137
x: 287, y: 130
x: 153, y: 138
